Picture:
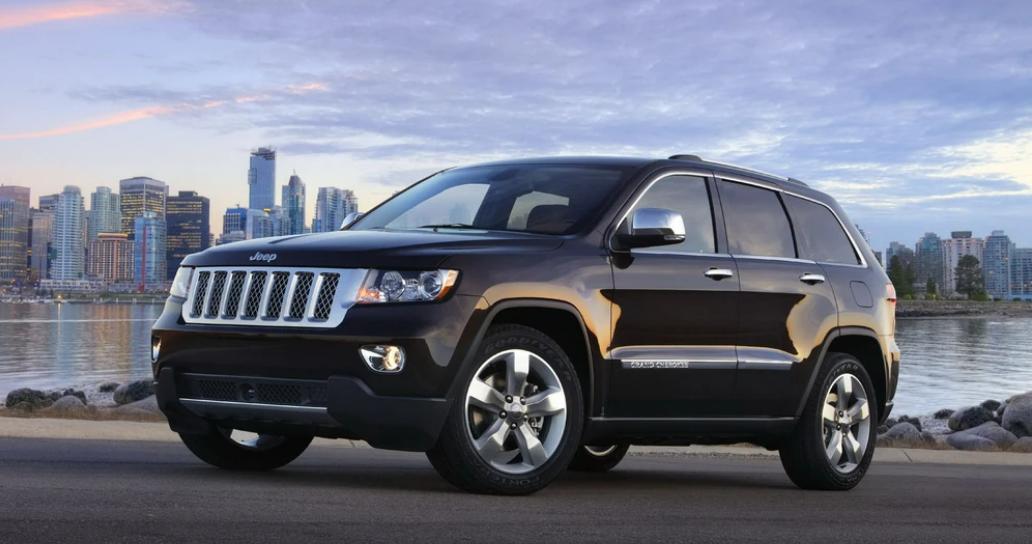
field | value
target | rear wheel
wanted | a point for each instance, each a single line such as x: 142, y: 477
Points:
x: 518, y: 421
x: 237, y: 450
x: 833, y: 443
x: 598, y: 458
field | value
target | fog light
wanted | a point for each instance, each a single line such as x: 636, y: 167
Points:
x: 383, y: 358
x: 155, y: 348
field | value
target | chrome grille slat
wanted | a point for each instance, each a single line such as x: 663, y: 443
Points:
x: 272, y: 296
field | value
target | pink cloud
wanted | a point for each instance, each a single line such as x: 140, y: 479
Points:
x: 18, y: 16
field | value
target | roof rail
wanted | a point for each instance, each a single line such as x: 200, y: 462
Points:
x: 696, y: 158
x: 686, y: 158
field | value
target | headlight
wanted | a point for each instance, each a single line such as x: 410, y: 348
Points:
x: 406, y: 286
x: 181, y: 283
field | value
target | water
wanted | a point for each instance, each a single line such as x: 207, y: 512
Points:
x: 947, y: 363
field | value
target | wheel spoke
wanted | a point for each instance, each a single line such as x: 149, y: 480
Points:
x: 851, y: 446
x: 834, y: 450
x: 830, y: 415
x: 490, y: 443
x: 533, y: 452
x: 484, y: 396
x: 546, y: 403
x: 858, y: 412
x: 845, y: 390
x: 516, y: 372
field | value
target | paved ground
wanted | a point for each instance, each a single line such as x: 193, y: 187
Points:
x: 74, y: 490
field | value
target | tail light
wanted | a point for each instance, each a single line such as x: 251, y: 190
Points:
x: 891, y: 290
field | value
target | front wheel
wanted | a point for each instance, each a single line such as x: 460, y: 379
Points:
x: 234, y: 450
x: 833, y: 443
x: 518, y: 421
x: 598, y: 458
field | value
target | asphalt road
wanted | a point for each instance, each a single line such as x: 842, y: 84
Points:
x: 96, y: 491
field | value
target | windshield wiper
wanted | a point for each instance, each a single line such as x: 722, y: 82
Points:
x: 449, y: 226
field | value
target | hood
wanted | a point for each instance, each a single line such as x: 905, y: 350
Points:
x: 370, y: 249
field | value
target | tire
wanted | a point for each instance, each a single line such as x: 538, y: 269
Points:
x: 496, y: 445
x: 595, y: 459
x: 809, y: 455
x: 267, y: 452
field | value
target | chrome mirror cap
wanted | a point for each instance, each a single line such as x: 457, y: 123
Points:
x: 350, y: 218
x: 653, y: 227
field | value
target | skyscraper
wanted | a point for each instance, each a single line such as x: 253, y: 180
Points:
x: 235, y: 219
x: 997, y: 264
x: 14, y: 233
x: 150, y: 249
x: 43, y: 250
x: 331, y: 206
x: 69, y: 259
x: 189, y: 227
x: 929, y: 260
x: 1021, y: 272
x: 105, y: 213
x: 138, y: 195
x: 294, y: 204
x: 48, y: 203
x: 111, y: 258
x: 960, y: 244
x: 261, y: 178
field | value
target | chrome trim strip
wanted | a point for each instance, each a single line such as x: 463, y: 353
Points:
x: 248, y: 276
x: 782, y: 259
x: 207, y: 294
x: 313, y: 298
x: 192, y: 295
x: 255, y: 405
x: 675, y: 357
x: 248, y: 411
x: 648, y: 251
x: 770, y: 185
x: 288, y: 299
x: 755, y: 358
x: 747, y: 169
x: 266, y: 294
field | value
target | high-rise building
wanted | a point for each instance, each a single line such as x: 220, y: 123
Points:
x: 261, y: 178
x: 188, y: 216
x: 14, y: 233
x: 959, y: 245
x: 138, y: 195
x: 1021, y: 272
x: 294, y: 204
x: 331, y: 206
x: 105, y: 213
x: 48, y: 203
x: 111, y: 258
x: 69, y: 263
x: 150, y: 249
x: 43, y: 250
x: 235, y: 219
x: 929, y: 260
x: 996, y: 265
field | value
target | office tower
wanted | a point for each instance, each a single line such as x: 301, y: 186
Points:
x: 69, y: 252
x: 294, y: 204
x: 350, y: 202
x: 331, y: 206
x: 235, y: 219
x: 958, y: 245
x: 14, y: 233
x: 996, y: 265
x: 105, y: 213
x: 43, y: 250
x: 261, y: 178
x: 48, y: 203
x: 929, y: 260
x: 111, y: 258
x: 138, y: 195
x: 150, y: 250
x: 189, y: 227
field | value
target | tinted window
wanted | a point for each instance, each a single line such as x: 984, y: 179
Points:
x: 820, y: 234
x: 688, y: 196
x: 756, y: 221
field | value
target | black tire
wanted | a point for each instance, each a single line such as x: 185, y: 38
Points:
x: 803, y: 455
x: 454, y: 456
x: 598, y: 459
x: 219, y: 450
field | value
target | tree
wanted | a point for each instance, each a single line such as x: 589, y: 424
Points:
x: 969, y: 276
x: 902, y: 275
x: 930, y: 287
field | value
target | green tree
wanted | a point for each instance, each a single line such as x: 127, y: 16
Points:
x: 930, y: 287
x: 969, y: 277
x: 902, y: 275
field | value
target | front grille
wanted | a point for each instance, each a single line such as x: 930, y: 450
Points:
x: 271, y: 296
x: 253, y: 390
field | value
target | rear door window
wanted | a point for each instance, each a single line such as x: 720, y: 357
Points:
x: 756, y: 221
x: 820, y: 234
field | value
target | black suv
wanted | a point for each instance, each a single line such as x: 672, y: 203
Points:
x: 518, y: 318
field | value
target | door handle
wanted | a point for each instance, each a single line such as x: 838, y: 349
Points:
x: 719, y: 273
x: 812, y: 279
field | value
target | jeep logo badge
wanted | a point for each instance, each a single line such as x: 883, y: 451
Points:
x: 267, y: 257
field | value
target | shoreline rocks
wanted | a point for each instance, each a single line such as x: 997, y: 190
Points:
x: 989, y: 426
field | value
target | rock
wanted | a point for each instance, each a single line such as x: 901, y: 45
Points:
x: 903, y: 431
x: 883, y: 429
x: 890, y: 422
x: 945, y: 413
x: 73, y: 393
x: 967, y: 418
x: 108, y: 387
x: 992, y: 430
x: 929, y: 438
x: 150, y: 404
x: 1018, y: 417
x: 991, y: 405
x: 22, y: 406
x: 69, y: 403
x: 33, y: 397
x: 133, y: 391
x: 1023, y: 445
x: 970, y: 442
x: 911, y: 420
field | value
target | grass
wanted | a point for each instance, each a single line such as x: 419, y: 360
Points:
x: 98, y: 414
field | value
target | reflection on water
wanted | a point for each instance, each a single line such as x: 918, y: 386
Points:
x: 947, y: 363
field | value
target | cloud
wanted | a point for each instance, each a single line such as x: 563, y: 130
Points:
x: 26, y: 15
x: 159, y: 111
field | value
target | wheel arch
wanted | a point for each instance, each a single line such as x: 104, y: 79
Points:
x: 864, y: 344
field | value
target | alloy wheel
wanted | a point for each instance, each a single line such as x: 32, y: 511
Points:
x: 846, y: 423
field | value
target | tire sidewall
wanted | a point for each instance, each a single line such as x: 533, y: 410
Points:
x: 846, y: 365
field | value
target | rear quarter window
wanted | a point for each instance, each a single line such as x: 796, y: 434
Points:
x: 820, y: 235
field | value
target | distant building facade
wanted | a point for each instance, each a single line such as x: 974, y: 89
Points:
x: 69, y: 258
x: 332, y: 205
x: 43, y: 250
x: 294, y: 204
x: 960, y: 244
x: 14, y: 233
x: 188, y: 216
x: 261, y: 179
x: 110, y: 258
x: 48, y: 203
x: 105, y: 213
x: 1021, y: 272
x: 996, y: 266
x: 139, y: 195
x: 149, y: 252
x: 929, y: 260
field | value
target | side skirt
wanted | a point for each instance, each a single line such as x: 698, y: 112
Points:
x: 686, y: 431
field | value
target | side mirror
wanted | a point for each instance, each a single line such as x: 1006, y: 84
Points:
x: 350, y: 218
x: 653, y: 227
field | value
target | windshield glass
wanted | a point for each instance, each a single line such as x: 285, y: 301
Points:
x: 538, y: 198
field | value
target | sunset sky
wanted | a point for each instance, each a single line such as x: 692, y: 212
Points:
x: 915, y: 115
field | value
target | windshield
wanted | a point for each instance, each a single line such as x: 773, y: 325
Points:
x: 544, y: 199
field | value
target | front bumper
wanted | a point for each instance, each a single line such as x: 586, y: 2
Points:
x: 350, y: 411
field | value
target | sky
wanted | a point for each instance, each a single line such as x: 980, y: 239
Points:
x: 915, y: 115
